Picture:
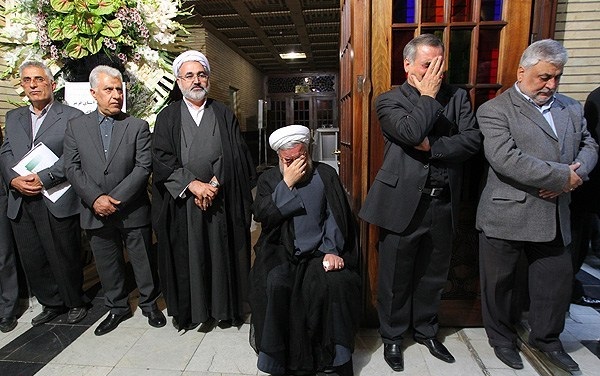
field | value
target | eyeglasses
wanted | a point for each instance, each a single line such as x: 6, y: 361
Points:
x: 192, y: 76
x: 36, y: 79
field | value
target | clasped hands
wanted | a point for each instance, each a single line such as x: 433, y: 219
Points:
x: 574, y: 182
x: 106, y: 205
x: 28, y: 185
x: 332, y: 262
x: 204, y: 193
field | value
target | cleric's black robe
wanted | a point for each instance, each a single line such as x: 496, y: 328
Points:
x: 317, y: 310
x: 179, y: 275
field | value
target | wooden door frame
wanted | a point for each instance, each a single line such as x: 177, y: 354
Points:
x: 371, y: 63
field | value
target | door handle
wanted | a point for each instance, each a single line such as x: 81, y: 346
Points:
x: 336, y: 152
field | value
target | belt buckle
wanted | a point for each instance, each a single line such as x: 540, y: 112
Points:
x: 435, y: 192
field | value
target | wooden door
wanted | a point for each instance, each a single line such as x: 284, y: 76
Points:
x: 484, y: 40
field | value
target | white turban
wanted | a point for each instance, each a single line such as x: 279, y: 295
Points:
x: 291, y: 133
x: 190, y: 55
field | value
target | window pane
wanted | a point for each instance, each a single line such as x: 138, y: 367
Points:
x: 491, y: 10
x: 483, y: 95
x: 301, y: 112
x: 460, y: 55
x: 399, y: 39
x: 403, y: 11
x: 324, y: 113
x: 487, y: 64
x: 461, y: 10
x: 433, y: 11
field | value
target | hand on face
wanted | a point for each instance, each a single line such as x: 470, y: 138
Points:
x: 294, y: 172
x: 431, y: 81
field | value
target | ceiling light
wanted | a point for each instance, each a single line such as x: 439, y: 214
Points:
x: 293, y: 55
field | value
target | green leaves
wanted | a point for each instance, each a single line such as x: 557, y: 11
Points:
x: 80, y: 46
x: 83, y: 25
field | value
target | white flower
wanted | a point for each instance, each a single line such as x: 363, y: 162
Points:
x: 163, y: 38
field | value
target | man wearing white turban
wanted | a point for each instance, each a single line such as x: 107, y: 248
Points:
x: 202, y: 180
x: 304, y: 289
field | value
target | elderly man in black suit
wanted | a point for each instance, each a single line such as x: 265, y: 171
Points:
x: 539, y: 150
x: 47, y: 232
x: 108, y: 161
x: 429, y: 131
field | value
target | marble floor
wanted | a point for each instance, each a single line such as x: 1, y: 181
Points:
x: 135, y: 348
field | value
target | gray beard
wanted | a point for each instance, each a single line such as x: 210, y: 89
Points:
x: 196, y: 95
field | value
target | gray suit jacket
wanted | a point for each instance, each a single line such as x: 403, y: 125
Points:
x: 406, y: 118
x: 17, y: 143
x: 123, y: 174
x: 525, y: 155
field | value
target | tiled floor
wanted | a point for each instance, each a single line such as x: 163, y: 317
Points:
x: 135, y: 348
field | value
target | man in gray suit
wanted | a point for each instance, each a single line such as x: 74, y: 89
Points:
x: 539, y: 150
x: 429, y: 130
x: 47, y: 232
x: 108, y: 161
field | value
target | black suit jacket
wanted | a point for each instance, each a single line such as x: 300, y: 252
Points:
x: 406, y: 118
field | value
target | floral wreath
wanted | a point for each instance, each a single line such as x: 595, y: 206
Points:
x: 140, y: 35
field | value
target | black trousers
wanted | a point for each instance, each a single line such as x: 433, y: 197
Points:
x: 9, y: 287
x: 549, y: 282
x: 413, y: 269
x: 50, y: 251
x: 107, y: 245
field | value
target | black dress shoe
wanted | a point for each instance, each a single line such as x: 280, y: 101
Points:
x: 509, y: 356
x: 562, y: 360
x: 392, y: 353
x: 587, y: 301
x: 76, y: 314
x: 437, y: 349
x: 110, y: 323
x: 7, y: 324
x: 155, y: 318
x: 47, y: 315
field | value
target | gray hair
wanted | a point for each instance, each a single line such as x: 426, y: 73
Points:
x: 547, y: 50
x: 410, y: 50
x: 37, y: 64
x: 109, y: 71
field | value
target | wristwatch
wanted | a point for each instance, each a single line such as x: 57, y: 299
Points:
x: 214, y: 183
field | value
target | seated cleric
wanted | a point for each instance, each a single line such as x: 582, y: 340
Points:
x: 304, y: 291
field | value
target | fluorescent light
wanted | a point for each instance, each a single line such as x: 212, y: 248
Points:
x: 293, y: 55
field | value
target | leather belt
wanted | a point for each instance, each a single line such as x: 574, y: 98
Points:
x: 433, y: 192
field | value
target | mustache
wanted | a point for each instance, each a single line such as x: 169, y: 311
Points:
x: 198, y: 86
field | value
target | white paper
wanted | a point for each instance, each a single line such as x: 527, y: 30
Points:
x: 77, y: 94
x: 36, y: 160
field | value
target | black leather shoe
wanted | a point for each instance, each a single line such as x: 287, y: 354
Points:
x: 587, y: 301
x: 509, y: 356
x: 562, y: 360
x: 437, y: 349
x: 110, y: 323
x: 155, y: 318
x: 76, y: 314
x: 47, y: 315
x: 7, y: 324
x: 392, y: 354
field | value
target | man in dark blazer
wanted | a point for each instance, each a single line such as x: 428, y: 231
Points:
x: 539, y: 150
x: 9, y: 286
x: 429, y: 131
x: 585, y: 207
x: 47, y: 232
x: 108, y: 161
